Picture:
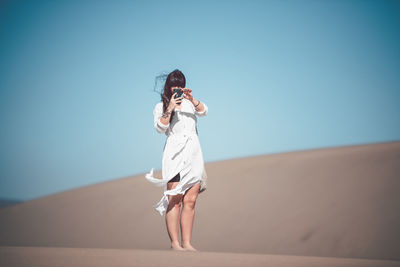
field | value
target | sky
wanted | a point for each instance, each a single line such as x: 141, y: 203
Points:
x: 77, y: 82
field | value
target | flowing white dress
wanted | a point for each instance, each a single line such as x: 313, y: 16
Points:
x: 182, y: 152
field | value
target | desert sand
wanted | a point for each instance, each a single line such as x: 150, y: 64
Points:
x: 320, y: 207
x: 98, y: 257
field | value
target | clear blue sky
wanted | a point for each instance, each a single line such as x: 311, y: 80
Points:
x: 77, y: 77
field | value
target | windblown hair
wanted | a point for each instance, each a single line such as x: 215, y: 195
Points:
x: 174, y: 79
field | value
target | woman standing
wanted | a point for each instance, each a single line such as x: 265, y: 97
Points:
x: 183, y: 172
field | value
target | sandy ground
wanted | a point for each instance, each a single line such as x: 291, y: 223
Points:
x: 55, y: 257
x: 332, y: 203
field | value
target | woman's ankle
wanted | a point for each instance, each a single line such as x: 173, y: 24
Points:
x: 175, y: 244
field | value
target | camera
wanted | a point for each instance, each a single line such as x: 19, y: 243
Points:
x: 179, y: 92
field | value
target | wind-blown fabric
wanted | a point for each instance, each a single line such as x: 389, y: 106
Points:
x: 182, y: 152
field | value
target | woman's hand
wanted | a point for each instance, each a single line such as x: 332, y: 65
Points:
x: 188, y: 94
x: 174, y: 102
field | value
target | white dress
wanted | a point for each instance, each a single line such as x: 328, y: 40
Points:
x: 182, y: 152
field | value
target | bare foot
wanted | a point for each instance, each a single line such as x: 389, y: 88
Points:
x: 188, y: 247
x: 176, y: 246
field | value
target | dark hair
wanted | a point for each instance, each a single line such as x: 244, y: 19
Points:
x: 174, y: 79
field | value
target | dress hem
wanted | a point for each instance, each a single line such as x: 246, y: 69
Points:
x: 162, y: 205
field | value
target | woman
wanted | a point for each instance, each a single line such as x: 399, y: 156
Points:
x: 183, y: 172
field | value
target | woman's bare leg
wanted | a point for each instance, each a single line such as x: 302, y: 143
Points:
x: 172, y: 217
x: 187, y: 216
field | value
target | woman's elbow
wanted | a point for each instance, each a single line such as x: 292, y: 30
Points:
x: 160, y: 129
x: 202, y: 113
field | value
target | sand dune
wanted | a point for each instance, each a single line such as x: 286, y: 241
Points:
x: 336, y: 202
x: 55, y: 257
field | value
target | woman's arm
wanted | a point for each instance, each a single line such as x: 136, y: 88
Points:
x: 166, y: 117
x: 161, y: 121
x: 200, y: 107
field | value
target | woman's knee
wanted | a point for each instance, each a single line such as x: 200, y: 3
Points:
x: 189, y: 200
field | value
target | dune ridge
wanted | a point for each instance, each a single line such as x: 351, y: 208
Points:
x: 335, y: 202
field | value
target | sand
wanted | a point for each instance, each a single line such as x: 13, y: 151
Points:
x: 317, y: 205
x: 55, y: 257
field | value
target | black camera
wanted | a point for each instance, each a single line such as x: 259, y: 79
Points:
x: 179, y: 92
